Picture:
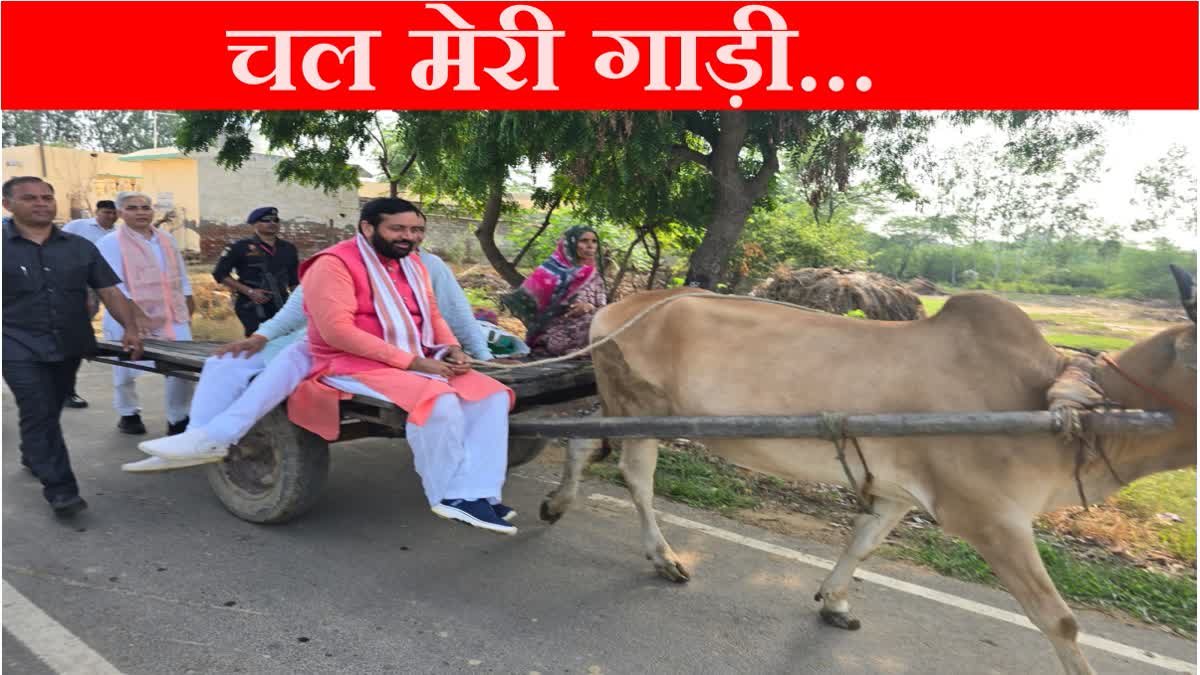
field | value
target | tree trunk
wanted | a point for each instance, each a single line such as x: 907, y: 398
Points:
x: 654, y: 258
x: 904, y: 263
x: 735, y: 197
x: 624, y: 266
x: 545, y: 223
x: 710, y: 260
x: 486, y: 234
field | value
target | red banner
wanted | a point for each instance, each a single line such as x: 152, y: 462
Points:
x: 599, y: 55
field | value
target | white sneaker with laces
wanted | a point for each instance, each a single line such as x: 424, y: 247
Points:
x: 190, y: 445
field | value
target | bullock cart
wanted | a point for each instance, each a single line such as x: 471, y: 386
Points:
x: 277, y: 472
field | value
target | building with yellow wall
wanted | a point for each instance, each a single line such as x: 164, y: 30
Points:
x: 202, y: 204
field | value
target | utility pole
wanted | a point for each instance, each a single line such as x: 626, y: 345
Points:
x: 154, y: 119
x: 41, y: 139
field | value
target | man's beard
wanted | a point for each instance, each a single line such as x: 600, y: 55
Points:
x: 388, y: 249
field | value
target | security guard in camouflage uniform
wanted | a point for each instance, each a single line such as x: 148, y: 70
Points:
x: 266, y: 266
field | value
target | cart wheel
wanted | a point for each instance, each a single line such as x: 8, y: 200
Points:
x: 524, y: 450
x: 274, y: 474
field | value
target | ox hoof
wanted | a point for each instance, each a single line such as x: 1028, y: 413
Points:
x: 673, y: 571
x: 840, y: 619
x: 547, y: 515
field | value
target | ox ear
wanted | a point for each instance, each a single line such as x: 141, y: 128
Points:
x: 1187, y: 290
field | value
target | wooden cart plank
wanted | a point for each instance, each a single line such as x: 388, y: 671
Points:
x: 533, y: 385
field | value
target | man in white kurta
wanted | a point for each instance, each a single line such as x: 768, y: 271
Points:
x: 136, y: 208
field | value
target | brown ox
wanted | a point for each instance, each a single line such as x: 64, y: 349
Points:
x: 699, y: 356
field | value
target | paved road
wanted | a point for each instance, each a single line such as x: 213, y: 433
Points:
x: 158, y: 578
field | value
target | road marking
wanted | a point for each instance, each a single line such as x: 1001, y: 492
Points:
x: 1122, y: 650
x: 56, y: 646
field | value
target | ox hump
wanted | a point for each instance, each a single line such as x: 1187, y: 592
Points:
x: 992, y: 315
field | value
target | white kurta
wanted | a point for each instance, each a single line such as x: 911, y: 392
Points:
x: 461, y: 451
x: 87, y: 228
x: 125, y: 396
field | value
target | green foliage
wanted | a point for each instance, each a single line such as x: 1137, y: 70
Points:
x: 318, y: 143
x: 789, y: 234
x: 479, y: 298
x: 1072, y: 266
x: 856, y: 314
x: 693, y: 478
x: 52, y: 127
x: 119, y: 131
x: 1170, y: 492
x: 1148, y: 595
x: 1167, y: 192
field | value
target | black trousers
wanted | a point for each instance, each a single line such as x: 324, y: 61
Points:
x: 247, y: 313
x: 40, y: 388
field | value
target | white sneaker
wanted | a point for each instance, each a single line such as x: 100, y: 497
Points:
x: 152, y: 463
x: 191, y: 444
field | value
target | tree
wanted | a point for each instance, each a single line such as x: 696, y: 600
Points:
x: 51, y: 127
x: 726, y: 160
x: 1167, y: 193
x: 124, y: 131
x: 910, y: 232
x: 119, y: 131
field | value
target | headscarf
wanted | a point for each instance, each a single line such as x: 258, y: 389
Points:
x: 547, y: 292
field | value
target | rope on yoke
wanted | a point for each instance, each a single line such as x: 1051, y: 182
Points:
x: 836, y: 433
x: 1074, y: 392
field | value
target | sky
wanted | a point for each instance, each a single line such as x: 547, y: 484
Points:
x: 1139, y: 139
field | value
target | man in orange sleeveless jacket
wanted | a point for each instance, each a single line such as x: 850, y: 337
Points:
x: 375, y: 330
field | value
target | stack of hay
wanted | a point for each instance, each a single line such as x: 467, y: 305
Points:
x: 484, y: 278
x: 840, y: 291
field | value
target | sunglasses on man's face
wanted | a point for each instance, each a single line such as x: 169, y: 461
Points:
x: 269, y: 219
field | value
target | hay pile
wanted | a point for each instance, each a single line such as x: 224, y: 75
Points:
x: 924, y: 287
x: 839, y: 291
x: 484, y: 278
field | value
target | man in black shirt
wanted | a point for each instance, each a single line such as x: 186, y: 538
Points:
x: 47, y: 328
x: 267, y: 270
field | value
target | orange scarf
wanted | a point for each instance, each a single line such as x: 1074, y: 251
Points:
x: 158, y: 291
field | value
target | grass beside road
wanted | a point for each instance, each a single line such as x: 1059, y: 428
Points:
x: 692, y: 479
x: 689, y: 476
x: 1149, y: 596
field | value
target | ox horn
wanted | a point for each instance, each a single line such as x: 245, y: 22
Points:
x: 1187, y: 290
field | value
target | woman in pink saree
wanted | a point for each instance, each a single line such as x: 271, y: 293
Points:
x: 556, y: 303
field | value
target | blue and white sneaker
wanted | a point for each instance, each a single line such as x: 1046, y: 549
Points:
x: 475, y: 512
x: 507, y: 514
